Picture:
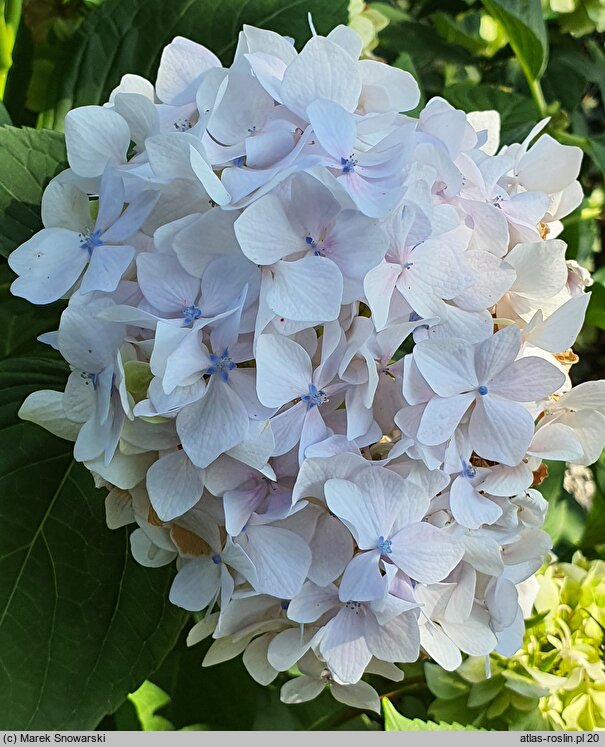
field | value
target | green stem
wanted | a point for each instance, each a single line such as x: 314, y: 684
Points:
x: 9, y: 22
x: 537, y: 94
x: 568, y: 139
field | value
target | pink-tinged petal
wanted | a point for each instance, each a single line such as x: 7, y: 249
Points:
x: 213, y: 425
x: 527, y: 379
x: 174, y: 485
x: 469, y: 508
x: 387, y: 88
x: 343, y: 644
x: 362, y: 580
x: 312, y: 602
x: 378, y: 286
x: 397, y: 640
x: 447, y: 365
x: 283, y: 370
x: 307, y: 289
x: 496, y: 353
x: 500, y: 430
x: 441, y: 417
x: 425, y: 553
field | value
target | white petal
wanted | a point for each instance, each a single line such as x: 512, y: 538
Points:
x: 528, y: 379
x: 447, y: 365
x: 425, y: 553
x: 265, y: 233
x: 283, y: 370
x: 397, y: 640
x: 174, y: 485
x: 469, y: 508
x: 559, y: 331
x: 359, y: 695
x: 45, y: 408
x: 48, y: 265
x: 306, y: 289
x: 94, y: 137
x: 181, y: 65
x: 359, y: 511
x: 500, y: 430
x: 323, y: 70
x: 362, y: 580
x: 441, y: 417
x: 387, y: 88
x: 288, y: 647
x: 255, y: 660
x: 334, y: 127
x: 106, y: 267
x: 196, y: 584
x: 265, y: 546
x: 331, y: 548
x: 496, y: 353
x: 343, y: 645
x: 549, y: 166
x: 300, y: 690
x: 213, y: 425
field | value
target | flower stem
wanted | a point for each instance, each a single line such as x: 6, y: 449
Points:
x: 9, y: 22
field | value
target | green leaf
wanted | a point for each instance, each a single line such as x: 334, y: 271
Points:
x: 595, y: 314
x: 21, y: 322
x: 28, y: 161
x: 81, y: 623
x: 394, y: 721
x: 523, y: 685
x: 517, y: 112
x: 4, y: 115
x: 524, y: 25
x: 119, y: 37
x: 444, y: 684
x: 596, y: 149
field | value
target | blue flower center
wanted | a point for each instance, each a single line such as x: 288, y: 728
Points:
x: 90, y: 240
x: 315, y: 397
x: 468, y: 470
x: 221, y: 365
x: 384, y: 546
x: 348, y: 164
x: 239, y: 162
x: 483, y: 390
x: 191, y: 313
x: 407, y: 265
x: 216, y: 559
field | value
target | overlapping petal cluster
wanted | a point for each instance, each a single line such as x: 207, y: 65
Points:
x: 247, y: 253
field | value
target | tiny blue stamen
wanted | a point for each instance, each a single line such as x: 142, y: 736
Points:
x: 468, y: 470
x: 284, y: 604
x: 221, y: 365
x: 483, y: 390
x: 384, y: 546
x: 239, y: 162
x: 348, y: 164
x: 407, y: 265
x: 216, y: 559
x: 252, y: 129
x: 90, y: 240
x: 315, y: 397
x: 414, y: 317
x: 191, y: 313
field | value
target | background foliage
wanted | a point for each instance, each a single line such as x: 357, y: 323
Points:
x: 87, y: 638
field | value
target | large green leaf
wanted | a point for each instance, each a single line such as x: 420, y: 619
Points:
x: 524, y: 25
x: 120, y: 37
x: 21, y: 322
x: 28, y: 161
x: 394, y: 721
x: 81, y: 624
